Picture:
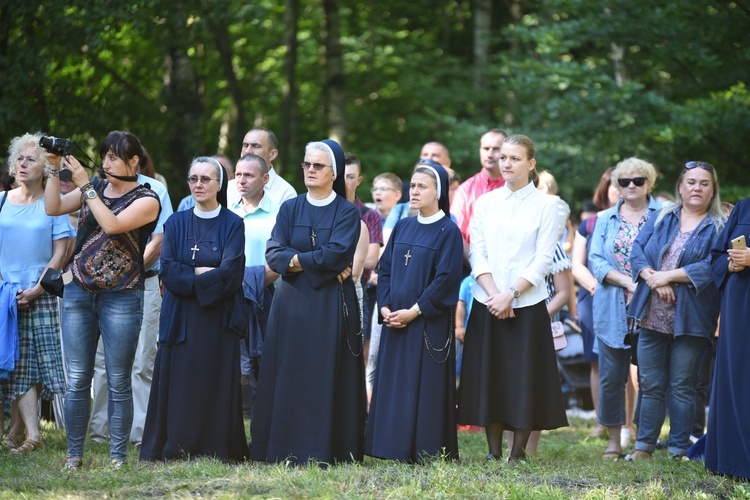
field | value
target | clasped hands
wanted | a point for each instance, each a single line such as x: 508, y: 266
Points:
x: 499, y: 305
x: 24, y: 298
x: 659, y: 283
x: 398, y: 319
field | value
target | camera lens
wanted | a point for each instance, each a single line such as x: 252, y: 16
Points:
x: 47, y: 142
x: 66, y: 175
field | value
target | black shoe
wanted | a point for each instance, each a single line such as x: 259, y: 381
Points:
x: 662, y: 445
x: 492, y: 457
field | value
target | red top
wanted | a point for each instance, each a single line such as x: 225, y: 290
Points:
x: 467, y: 193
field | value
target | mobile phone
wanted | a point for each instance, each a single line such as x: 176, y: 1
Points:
x: 739, y: 242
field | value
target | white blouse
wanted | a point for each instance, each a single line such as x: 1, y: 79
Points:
x: 513, y: 234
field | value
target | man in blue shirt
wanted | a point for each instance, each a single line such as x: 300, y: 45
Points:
x: 258, y: 211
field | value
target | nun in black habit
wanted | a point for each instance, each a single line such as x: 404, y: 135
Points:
x: 412, y: 413
x: 310, y: 401
x: 195, y: 405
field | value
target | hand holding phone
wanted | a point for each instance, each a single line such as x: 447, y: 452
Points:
x: 739, y: 242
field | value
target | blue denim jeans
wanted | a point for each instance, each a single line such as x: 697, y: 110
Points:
x: 614, y: 367
x: 668, y: 367
x: 117, y: 317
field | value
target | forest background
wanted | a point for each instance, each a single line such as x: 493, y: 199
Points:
x: 590, y: 81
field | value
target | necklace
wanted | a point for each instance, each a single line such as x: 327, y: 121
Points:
x: 313, y: 235
x: 198, y: 240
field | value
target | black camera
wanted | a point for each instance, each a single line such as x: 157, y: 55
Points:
x: 57, y: 146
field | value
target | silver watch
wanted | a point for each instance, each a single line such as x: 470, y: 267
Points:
x: 516, y: 293
x: 90, y: 194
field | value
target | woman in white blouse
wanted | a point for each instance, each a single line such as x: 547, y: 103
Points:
x: 509, y: 378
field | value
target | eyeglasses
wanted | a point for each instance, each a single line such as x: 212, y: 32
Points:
x: 381, y: 190
x: 625, y: 182
x: 194, y: 179
x: 702, y: 164
x: 317, y: 166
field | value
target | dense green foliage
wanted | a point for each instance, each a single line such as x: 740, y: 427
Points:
x: 591, y: 82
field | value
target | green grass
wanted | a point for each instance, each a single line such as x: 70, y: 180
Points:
x: 568, y: 465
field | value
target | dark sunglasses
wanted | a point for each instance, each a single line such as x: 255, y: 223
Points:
x: 702, y: 164
x: 625, y: 182
x: 317, y: 166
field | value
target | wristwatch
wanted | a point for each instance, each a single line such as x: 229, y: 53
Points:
x: 419, y: 311
x: 516, y: 293
x: 90, y: 194
x: 291, y: 263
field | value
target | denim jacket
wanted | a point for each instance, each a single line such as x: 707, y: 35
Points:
x: 610, y: 320
x: 698, y: 302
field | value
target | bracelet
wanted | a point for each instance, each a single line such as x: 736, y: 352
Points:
x: 54, y: 173
x: 86, y: 187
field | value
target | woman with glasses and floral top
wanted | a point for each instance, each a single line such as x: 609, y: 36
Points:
x: 677, y: 306
x: 609, y: 262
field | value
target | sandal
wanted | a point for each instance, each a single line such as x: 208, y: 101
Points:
x: 73, y: 464
x: 28, y: 446
x: 11, y: 442
x: 611, y: 455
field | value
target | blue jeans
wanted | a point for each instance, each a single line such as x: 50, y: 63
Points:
x: 117, y: 316
x: 614, y: 367
x: 668, y: 367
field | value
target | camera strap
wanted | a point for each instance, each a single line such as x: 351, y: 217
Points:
x: 124, y: 178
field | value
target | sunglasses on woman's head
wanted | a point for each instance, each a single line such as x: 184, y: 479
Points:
x: 625, y: 182
x: 702, y: 164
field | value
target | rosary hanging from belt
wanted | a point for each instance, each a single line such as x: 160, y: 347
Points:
x: 447, y: 347
x: 348, y: 330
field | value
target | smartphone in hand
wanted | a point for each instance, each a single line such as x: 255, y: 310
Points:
x: 739, y: 243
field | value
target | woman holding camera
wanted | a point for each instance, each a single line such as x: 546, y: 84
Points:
x: 105, y: 296
x: 30, y: 242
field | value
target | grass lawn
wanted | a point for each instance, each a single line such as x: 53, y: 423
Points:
x: 568, y: 465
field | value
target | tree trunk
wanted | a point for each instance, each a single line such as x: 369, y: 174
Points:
x: 288, y: 134
x: 482, y: 25
x: 237, y: 125
x: 181, y: 97
x: 334, y: 71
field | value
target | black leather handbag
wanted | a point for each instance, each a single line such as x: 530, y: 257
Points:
x: 52, y: 282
